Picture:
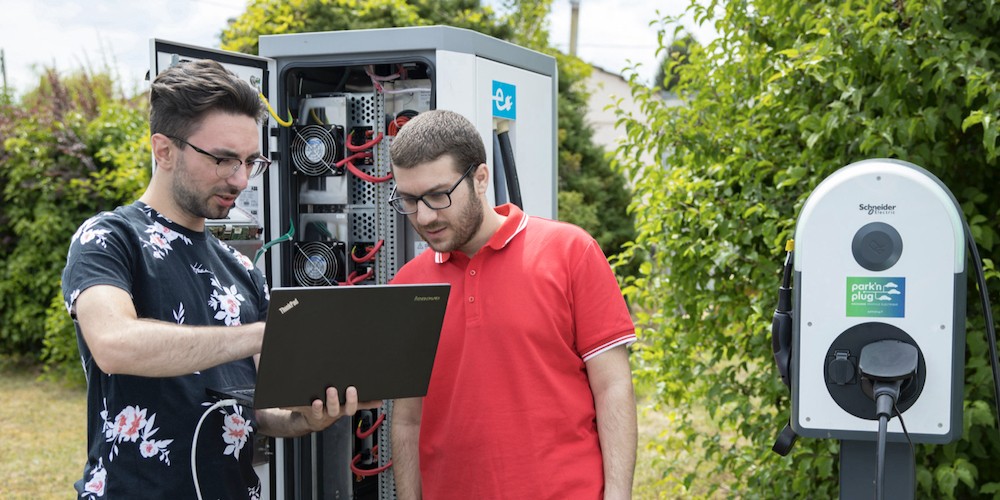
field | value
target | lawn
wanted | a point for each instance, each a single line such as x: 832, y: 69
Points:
x: 43, y: 439
x: 43, y: 429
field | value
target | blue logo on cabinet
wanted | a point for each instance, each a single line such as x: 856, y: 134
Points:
x: 504, y: 100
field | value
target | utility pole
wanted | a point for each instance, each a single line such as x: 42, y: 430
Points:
x: 3, y: 70
x: 573, y: 25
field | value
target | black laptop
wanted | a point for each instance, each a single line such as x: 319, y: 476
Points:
x: 381, y: 339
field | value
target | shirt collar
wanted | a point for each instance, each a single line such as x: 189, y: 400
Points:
x: 516, y: 221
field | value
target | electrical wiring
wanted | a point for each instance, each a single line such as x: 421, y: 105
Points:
x: 312, y: 113
x: 368, y: 256
x: 194, y: 442
x: 883, y: 422
x: 354, y: 278
x: 376, y: 80
x: 369, y: 472
x: 913, y: 452
x: 285, y: 237
x: 991, y: 334
x: 392, y: 128
x: 362, y: 147
x: 371, y: 429
x: 349, y: 162
x: 274, y: 114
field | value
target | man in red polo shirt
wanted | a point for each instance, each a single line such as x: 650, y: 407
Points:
x: 531, y: 394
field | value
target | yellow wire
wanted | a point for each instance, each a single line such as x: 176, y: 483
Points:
x: 274, y: 115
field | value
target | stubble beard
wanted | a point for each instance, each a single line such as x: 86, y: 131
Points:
x: 465, y: 227
x: 193, y: 202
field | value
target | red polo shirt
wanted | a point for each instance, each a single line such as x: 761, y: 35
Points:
x: 509, y: 412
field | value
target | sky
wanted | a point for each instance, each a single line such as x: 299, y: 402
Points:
x: 97, y: 34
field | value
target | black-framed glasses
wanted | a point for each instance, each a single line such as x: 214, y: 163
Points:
x: 438, y: 200
x: 226, y: 167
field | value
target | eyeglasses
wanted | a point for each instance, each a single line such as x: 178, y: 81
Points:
x: 226, y: 167
x: 438, y: 200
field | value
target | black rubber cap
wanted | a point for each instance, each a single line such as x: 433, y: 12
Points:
x: 877, y: 246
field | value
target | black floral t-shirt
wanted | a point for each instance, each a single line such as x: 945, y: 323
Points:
x: 140, y: 429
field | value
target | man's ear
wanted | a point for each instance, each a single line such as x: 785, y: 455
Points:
x: 163, y: 152
x: 482, y: 178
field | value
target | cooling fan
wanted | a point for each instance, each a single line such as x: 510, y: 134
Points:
x: 319, y: 263
x: 316, y: 149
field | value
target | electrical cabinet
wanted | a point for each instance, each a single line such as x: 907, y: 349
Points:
x: 319, y: 216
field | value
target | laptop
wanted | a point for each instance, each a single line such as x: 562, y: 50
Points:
x: 381, y: 339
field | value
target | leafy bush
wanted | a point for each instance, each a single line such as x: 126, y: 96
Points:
x: 788, y: 93
x: 70, y: 149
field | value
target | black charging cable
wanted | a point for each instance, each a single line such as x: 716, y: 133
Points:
x: 781, y: 344
x: 886, y: 364
x: 991, y: 333
x: 781, y: 321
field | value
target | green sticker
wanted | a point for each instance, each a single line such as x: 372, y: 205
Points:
x: 876, y: 297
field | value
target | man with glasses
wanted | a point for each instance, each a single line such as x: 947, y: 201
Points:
x: 531, y: 394
x: 164, y: 310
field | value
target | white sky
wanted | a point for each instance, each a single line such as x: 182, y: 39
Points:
x: 73, y: 34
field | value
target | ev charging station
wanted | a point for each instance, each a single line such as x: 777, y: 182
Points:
x: 877, y: 321
x: 319, y: 216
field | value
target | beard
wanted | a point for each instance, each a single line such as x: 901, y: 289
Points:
x: 194, y: 202
x: 464, y: 227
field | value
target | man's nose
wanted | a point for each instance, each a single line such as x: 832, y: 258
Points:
x: 425, y: 214
x: 241, y: 178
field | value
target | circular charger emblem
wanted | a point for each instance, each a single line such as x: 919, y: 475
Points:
x: 877, y: 246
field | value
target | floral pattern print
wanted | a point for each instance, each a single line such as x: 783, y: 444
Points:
x: 131, y: 425
x: 160, y: 239
x: 227, y: 301
x: 87, y: 234
x: 235, y: 432
x: 97, y: 484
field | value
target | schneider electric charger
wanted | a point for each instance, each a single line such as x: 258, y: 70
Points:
x: 879, y: 255
x: 871, y: 340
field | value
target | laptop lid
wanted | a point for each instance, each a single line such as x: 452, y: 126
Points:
x: 381, y: 339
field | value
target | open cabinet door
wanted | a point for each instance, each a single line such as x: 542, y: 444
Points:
x: 246, y: 227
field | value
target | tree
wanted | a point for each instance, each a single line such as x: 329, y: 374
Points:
x: 591, y: 194
x: 676, y: 54
x: 72, y: 147
x: 789, y: 92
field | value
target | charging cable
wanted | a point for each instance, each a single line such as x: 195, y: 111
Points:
x: 991, y: 333
x: 886, y: 364
x: 194, y: 442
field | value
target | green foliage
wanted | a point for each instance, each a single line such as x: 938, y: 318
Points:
x: 276, y: 17
x: 591, y: 194
x: 788, y: 93
x: 69, y: 150
x: 675, y: 55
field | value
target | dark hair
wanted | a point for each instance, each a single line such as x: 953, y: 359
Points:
x: 433, y: 134
x: 181, y: 96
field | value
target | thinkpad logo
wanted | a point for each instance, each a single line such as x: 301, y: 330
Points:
x: 288, y: 307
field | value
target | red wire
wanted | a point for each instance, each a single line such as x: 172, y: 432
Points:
x: 369, y: 472
x: 370, y: 255
x: 354, y: 278
x: 363, y: 176
x: 397, y: 123
x: 368, y: 145
x: 371, y: 430
x: 355, y: 156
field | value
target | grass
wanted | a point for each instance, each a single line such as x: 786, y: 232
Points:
x: 43, y: 439
x: 43, y: 429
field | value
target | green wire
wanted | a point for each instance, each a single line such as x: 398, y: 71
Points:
x: 285, y: 237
